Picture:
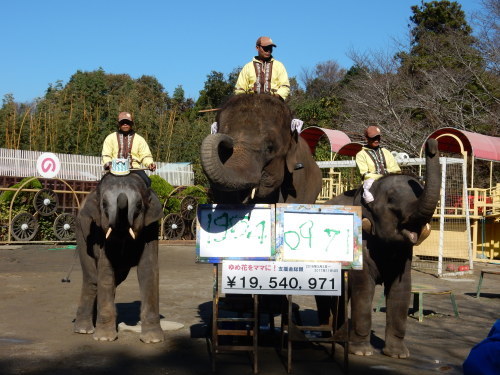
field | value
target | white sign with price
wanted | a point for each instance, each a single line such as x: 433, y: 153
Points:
x: 267, y: 277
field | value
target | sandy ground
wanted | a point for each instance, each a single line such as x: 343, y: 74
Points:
x: 37, y: 311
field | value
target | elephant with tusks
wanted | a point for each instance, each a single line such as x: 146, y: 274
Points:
x: 117, y: 229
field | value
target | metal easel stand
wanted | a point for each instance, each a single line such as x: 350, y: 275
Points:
x: 242, y: 304
x: 295, y: 332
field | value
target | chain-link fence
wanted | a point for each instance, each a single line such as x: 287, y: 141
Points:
x: 448, y: 249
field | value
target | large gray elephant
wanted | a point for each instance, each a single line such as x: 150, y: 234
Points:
x: 401, y: 210
x: 256, y: 157
x: 117, y: 229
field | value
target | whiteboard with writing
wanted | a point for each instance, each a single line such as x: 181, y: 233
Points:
x: 235, y: 232
x: 320, y: 233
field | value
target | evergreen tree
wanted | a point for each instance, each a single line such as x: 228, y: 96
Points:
x: 440, y: 36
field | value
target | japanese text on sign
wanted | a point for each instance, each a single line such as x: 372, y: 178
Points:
x: 267, y: 277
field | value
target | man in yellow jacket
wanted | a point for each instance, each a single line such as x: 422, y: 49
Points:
x: 127, y: 144
x: 264, y: 74
x: 374, y: 161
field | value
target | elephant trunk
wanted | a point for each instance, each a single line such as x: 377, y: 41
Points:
x: 228, y: 168
x: 428, y: 200
x: 122, y: 219
x: 116, y: 222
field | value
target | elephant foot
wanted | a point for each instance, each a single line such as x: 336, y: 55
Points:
x: 396, y: 351
x: 360, y: 348
x: 152, y: 334
x: 85, y: 327
x: 105, y: 334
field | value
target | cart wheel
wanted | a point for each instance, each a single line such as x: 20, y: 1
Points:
x: 24, y: 226
x: 173, y: 227
x: 64, y: 227
x: 193, y: 227
x: 188, y: 207
x: 45, y: 202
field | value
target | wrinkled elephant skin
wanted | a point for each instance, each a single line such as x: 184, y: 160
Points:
x: 256, y: 158
x: 117, y: 229
x: 401, y: 209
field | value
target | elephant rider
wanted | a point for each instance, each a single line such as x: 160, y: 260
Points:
x: 272, y: 76
x: 374, y: 161
x: 127, y: 144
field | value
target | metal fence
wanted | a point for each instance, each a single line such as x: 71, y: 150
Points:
x: 448, y: 250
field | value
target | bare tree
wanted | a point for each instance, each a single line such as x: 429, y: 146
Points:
x: 379, y: 96
x: 453, y: 90
x: 323, y: 80
x: 488, y: 33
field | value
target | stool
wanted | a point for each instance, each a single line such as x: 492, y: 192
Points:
x: 418, y: 292
x: 480, y: 283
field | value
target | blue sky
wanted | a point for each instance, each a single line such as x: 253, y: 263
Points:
x: 181, y: 42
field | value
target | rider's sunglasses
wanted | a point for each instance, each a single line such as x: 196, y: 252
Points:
x: 267, y: 48
x: 125, y: 122
x: 376, y: 138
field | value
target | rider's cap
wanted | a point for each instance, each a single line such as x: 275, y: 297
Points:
x: 265, y: 41
x: 372, y: 131
x: 125, y: 116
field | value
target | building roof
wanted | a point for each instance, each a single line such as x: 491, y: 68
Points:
x: 481, y: 146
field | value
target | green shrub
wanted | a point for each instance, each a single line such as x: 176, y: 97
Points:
x: 45, y: 228
x: 174, y: 202
x: 161, y: 187
x: 7, y: 196
x: 23, y: 202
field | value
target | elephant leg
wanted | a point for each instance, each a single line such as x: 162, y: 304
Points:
x: 362, y: 287
x: 398, y: 295
x: 324, y: 305
x: 106, y: 311
x: 85, y: 313
x: 148, y: 275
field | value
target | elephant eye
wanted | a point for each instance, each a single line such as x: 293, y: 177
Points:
x: 138, y: 205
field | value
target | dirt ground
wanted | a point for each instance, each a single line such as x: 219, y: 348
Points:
x: 37, y: 310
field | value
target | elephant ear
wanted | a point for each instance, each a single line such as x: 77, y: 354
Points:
x: 154, y: 211
x: 292, y: 154
x: 89, y: 213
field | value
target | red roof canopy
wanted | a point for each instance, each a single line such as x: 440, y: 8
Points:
x: 481, y: 146
x: 336, y: 138
x: 350, y: 149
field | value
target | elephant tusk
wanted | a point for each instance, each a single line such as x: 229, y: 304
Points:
x: 366, y: 225
x: 108, y: 232
x: 252, y: 194
x: 426, y: 231
x: 132, y: 234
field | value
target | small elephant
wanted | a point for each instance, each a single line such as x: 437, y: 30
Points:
x: 398, y: 220
x: 117, y: 229
x: 256, y: 156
